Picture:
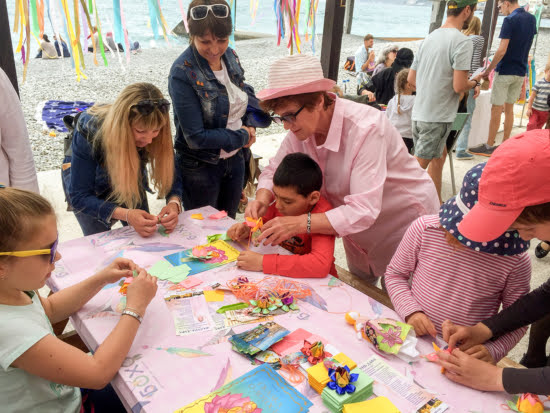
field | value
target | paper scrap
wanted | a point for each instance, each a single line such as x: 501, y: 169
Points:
x: 190, y: 282
x: 215, y: 237
x: 218, y: 215
x: 197, y: 216
x: 162, y: 231
x: 214, y: 295
x: 163, y: 270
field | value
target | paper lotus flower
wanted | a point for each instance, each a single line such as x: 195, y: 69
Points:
x: 529, y: 403
x: 341, y: 379
x: 234, y: 403
x: 201, y: 253
x: 288, y: 302
x: 315, y: 352
x: 265, y: 304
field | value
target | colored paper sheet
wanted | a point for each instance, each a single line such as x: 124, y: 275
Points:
x: 221, y: 253
x: 197, y: 216
x: 214, y: 295
x: 194, y: 315
x: 261, y: 389
x: 295, y: 341
x: 218, y: 215
x: 162, y: 231
x: 163, y: 270
x: 378, y: 404
x: 215, y: 237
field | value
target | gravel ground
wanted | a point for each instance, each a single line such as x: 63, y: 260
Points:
x: 55, y: 79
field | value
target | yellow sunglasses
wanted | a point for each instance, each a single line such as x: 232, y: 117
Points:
x: 31, y: 253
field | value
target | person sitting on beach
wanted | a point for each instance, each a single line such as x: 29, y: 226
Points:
x: 107, y: 179
x: 385, y: 59
x: 376, y: 188
x: 438, y: 274
x: 47, y: 49
x: 39, y: 371
x: 211, y: 107
x: 400, y: 107
x: 296, y: 187
x: 62, y: 51
x: 383, y: 84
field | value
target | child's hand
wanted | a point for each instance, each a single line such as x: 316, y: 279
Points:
x: 465, y: 337
x: 119, y: 268
x: 141, y: 291
x: 480, y: 352
x: 421, y: 323
x: 238, y: 232
x: 250, y: 261
x: 529, y: 112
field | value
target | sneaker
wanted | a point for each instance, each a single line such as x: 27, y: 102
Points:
x: 483, y: 150
x: 541, y: 252
x: 463, y: 156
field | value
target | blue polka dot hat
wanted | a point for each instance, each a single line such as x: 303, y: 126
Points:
x: 452, y: 212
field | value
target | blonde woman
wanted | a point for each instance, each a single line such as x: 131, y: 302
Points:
x: 112, y: 145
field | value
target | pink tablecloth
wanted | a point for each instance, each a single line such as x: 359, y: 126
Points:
x: 164, y: 372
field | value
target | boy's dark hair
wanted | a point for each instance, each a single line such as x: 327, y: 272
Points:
x: 535, y: 214
x: 299, y: 171
x: 368, y: 37
x: 452, y: 10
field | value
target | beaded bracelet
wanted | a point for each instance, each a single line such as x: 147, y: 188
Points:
x: 309, y: 222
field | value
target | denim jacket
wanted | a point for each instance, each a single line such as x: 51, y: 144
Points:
x: 90, y: 185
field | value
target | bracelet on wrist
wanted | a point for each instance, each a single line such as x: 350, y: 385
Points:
x: 127, y: 213
x: 308, y: 223
x: 132, y: 313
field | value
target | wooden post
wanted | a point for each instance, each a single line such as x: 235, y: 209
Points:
x: 349, y: 16
x: 332, y: 37
x: 488, y: 25
x: 7, y: 60
x: 438, y: 11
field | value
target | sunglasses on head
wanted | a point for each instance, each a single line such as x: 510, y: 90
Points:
x: 146, y: 107
x: 290, y: 118
x: 51, y: 251
x: 220, y: 11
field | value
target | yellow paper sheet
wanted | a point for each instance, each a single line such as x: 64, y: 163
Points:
x: 214, y: 295
x: 379, y: 405
x: 197, y: 216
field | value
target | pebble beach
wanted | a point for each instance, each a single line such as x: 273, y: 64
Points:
x: 56, y: 79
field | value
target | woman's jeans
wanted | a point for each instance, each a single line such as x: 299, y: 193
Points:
x: 462, y: 141
x: 219, y: 186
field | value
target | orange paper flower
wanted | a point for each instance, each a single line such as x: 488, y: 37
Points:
x: 529, y: 403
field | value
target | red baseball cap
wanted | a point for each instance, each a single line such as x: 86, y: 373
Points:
x: 517, y: 175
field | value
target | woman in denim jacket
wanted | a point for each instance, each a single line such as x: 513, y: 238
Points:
x: 213, y: 124
x: 107, y: 177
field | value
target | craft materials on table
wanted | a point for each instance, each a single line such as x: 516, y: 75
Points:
x: 346, y: 386
x: 260, y: 338
x: 386, y: 335
x: 526, y: 403
x: 379, y: 404
x: 163, y: 270
x: 218, y: 215
x: 204, y: 257
x: 260, y: 390
x: 318, y: 375
x: 255, y: 226
x: 402, y: 387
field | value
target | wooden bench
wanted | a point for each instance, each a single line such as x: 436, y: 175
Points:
x: 383, y: 298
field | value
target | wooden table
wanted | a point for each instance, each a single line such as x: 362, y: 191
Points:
x: 164, y: 372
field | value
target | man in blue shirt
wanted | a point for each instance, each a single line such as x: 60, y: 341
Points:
x: 510, y: 60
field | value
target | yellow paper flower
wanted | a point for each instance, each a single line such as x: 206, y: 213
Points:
x: 317, y: 349
x: 342, y: 377
x: 529, y: 403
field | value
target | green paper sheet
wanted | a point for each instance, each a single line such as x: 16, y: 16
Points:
x: 162, y: 231
x: 163, y: 270
x: 215, y: 237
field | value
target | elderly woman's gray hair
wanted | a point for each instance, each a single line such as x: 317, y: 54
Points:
x: 385, y: 52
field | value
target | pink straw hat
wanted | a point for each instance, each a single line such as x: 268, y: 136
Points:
x: 294, y: 75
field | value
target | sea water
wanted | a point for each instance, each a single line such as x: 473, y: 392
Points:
x: 388, y: 18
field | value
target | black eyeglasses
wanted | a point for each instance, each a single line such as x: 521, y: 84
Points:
x: 291, y: 118
x: 146, y: 107
x: 220, y: 11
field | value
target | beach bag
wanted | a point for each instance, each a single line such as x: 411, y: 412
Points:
x: 350, y: 64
